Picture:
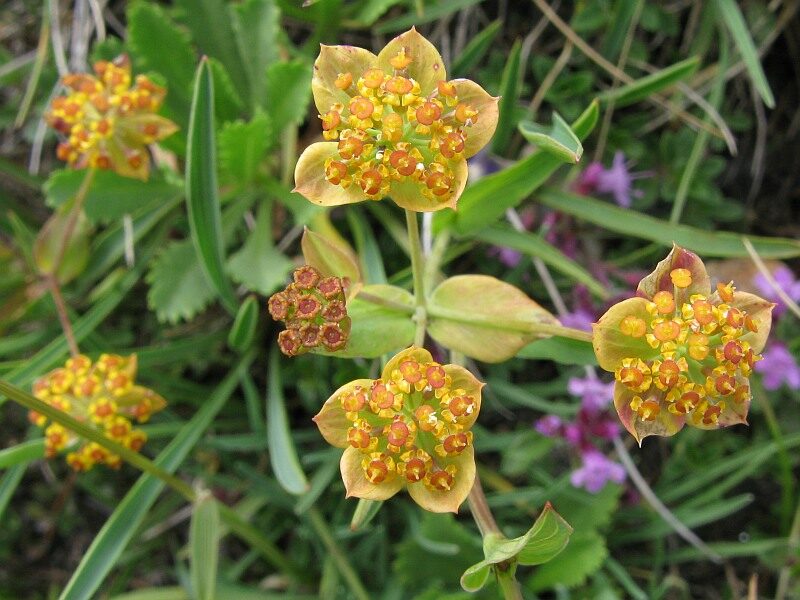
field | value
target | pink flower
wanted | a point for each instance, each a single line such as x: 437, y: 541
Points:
x: 596, y: 472
x: 786, y: 281
x: 616, y: 181
x: 595, y: 395
x: 779, y: 367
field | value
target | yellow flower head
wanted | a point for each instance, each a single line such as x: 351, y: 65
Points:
x: 314, y: 310
x: 680, y: 354
x: 103, y: 394
x: 107, y: 122
x: 395, y: 127
x: 410, y: 428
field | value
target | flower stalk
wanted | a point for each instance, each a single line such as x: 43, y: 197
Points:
x: 417, y: 269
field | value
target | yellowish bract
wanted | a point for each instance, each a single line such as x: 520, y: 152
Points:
x: 410, y: 428
x: 395, y: 127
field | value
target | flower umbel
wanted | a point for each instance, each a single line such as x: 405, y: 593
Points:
x: 679, y: 353
x: 395, y: 127
x: 410, y: 428
x: 106, y: 122
x: 314, y: 310
x: 104, y: 394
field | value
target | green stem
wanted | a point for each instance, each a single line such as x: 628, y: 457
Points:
x: 418, y: 271
x: 508, y: 583
x: 237, y: 525
x: 480, y: 509
x: 510, y: 324
x: 335, y: 552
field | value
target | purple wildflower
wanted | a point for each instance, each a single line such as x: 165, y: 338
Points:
x: 597, y: 470
x: 778, y: 367
x: 549, y: 425
x: 616, y: 181
x: 786, y: 281
x: 580, y: 318
x: 595, y: 394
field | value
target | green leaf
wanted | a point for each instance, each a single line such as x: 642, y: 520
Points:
x: 256, y: 23
x: 282, y: 453
x: 535, y: 245
x: 157, y: 44
x: 735, y: 23
x: 483, y: 317
x: 201, y: 187
x: 650, y: 84
x: 372, y: 10
x: 120, y: 527
x: 21, y: 453
x: 367, y: 247
x: 162, y: 593
x: 258, y: 265
x: 211, y: 24
x: 582, y: 557
x: 204, y: 547
x: 288, y: 91
x: 509, y: 96
x: 476, y: 576
x: 475, y: 49
x: 244, y: 326
x: 632, y: 223
x: 227, y: 100
x: 242, y: 147
x: 178, y: 287
x: 487, y: 200
x: 395, y: 326
x: 559, y: 140
x: 433, y: 12
x: 562, y: 350
x: 540, y: 544
x: 110, y: 196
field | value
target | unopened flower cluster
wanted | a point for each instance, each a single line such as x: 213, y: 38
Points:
x: 395, y: 127
x: 103, y: 394
x: 314, y: 310
x: 410, y: 428
x: 680, y: 354
x: 106, y: 122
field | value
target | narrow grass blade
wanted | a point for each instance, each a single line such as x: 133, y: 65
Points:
x: 509, y: 96
x: 21, y: 453
x: 202, y: 197
x: 650, y: 84
x: 282, y: 453
x: 534, y: 245
x: 475, y: 50
x: 204, y: 547
x: 734, y: 21
x: 120, y: 527
x: 632, y: 223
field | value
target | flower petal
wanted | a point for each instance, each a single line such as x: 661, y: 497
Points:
x: 413, y: 352
x: 610, y: 344
x: 333, y: 60
x: 465, y: 380
x: 408, y: 194
x: 665, y: 423
x: 331, y: 419
x: 450, y: 500
x: 659, y: 279
x: 309, y: 178
x: 426, y: 62
x: 356, y: 484
x: 760, y: 311
x: 478, y: 134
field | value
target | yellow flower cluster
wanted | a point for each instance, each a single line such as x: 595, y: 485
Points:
x: 106, y: 122
x: 409, y: 428
x: 101, y: 393
x: 680, y: 353
x: 390, y: 131
x: 314, y: 310
x: 701, y: 362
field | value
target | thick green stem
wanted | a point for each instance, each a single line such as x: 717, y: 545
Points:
x: 510, y: 324
x: 418, y: 271
x: 508, y: 583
